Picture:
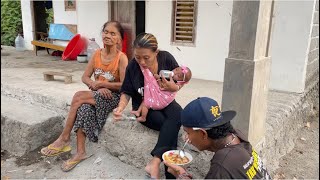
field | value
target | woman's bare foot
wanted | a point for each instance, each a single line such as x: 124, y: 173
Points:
x: 136, y: 113
x: 57, y: 144
x: 141, y: 119
x: 153, y: 168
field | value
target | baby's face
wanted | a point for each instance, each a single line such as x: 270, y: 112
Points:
x: 178, y: 74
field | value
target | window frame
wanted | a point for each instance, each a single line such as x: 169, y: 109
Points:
x: 173, y: 25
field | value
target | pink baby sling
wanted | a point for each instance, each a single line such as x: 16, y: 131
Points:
x: 155, y: 98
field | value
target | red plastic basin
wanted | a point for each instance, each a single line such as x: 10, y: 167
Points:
x: 74, y: 48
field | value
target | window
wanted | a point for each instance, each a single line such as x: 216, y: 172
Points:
x: 184, y: 22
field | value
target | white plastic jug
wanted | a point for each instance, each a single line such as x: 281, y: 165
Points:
x: 19, y: 43
x: 92, y: 47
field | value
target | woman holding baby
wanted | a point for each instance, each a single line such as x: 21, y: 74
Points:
x: 149, y: 60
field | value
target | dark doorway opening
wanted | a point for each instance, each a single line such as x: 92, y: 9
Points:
x: 42, y: 18
x: 43, y: 15
x: 131, y: 15
x: 140, y: 16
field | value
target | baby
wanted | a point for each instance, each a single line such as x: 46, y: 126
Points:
x: 153, y: 96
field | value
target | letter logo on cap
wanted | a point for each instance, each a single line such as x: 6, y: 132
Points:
x: 215, y: 111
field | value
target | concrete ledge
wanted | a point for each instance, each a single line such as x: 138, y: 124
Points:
x: 57, y: 96
x: 287, y: 112
x: 33, y: 96
x: 130, y: 141
x: 25, y: 127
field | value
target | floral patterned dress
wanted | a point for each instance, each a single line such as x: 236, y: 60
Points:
x: 90, y: 118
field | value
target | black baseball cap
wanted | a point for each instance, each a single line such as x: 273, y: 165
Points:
x: 205, y: 112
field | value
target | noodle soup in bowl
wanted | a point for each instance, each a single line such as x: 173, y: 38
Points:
x: 173, y: 157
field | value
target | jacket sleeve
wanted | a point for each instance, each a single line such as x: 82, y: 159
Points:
x: 127, y: 84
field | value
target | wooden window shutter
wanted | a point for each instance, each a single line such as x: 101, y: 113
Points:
x: 184, y: 21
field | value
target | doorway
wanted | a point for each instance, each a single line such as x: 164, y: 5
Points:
x: 140, y: 17
x: 131, y: 15
x: 42, y: 12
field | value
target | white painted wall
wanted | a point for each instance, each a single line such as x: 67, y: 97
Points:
x: 91, y: 16
x: 61, y: 16
x: 27, y: 23
x: 289, y: 45
x: 207, y: 58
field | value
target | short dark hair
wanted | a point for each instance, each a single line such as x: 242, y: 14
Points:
x: 117, y: 24
x: 146, y: 40
x: 220, y: 131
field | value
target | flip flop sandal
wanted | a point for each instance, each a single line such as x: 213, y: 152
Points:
x: 58, y: 151
x: 72, y: 164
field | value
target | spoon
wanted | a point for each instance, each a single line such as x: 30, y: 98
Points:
x: 181, y: 152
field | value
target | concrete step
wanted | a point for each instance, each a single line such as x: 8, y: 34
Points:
x: 35, y: 97
x: 127, y: 140
x: 25, y: 126
x: 57, y: 96
x: 130, y: 141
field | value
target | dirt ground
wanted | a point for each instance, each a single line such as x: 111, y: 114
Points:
x: 35, y: 166
x: 43, y: 60
x: 303, y: 161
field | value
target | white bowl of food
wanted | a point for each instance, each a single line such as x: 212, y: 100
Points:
x: 173, y: 157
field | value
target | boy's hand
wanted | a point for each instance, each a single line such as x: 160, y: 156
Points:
x: 174, y: 169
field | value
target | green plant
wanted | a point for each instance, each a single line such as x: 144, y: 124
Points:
x: 11, y: 21
x: 49, y: 19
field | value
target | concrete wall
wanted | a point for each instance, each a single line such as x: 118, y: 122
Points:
x: 290, y: 41
x: 289, y: 45
x: 61, y: 16
x: 287, y: 112
x: 27, y: 23
x: 207, y: 57
x: 91, y: 16
x: 313, y: 53
x: 89, y: 24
